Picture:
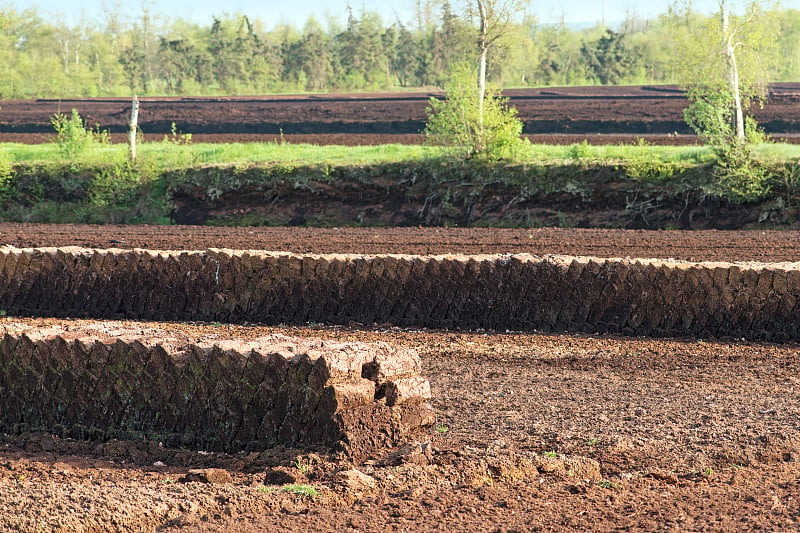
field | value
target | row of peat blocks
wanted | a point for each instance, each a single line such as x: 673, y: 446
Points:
x: 109, y: 380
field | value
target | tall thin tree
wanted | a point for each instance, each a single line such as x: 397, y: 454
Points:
x: 729, y: 45
x: 494, y: 19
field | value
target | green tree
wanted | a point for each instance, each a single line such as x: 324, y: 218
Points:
x: 362, y: 55
x: 139, y: 56
x: 410, y: 58
x: 655, y: 40
x: 459, y: 122
x: 494, y: 19
x: 788, y: 68
x: 242, y: 60
x: 560, y: 61
x: 452, y: 43
x: 610, y: 58
x: 311, y: 58
x: 517, y: 58
x: 724, y: 62
x: 181, y: 61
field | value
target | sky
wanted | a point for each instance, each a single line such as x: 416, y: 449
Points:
x: 296, y: 12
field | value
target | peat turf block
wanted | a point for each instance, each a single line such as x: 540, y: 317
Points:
x: 501, y: 292
x: 118, y: 380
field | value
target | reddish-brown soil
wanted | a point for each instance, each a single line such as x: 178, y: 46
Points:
x: 535, y: 432
x: 551, y: 115
x: 761, y: 246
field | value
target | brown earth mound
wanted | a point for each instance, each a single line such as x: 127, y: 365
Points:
x: 556, y: 114
x: 109, y: 381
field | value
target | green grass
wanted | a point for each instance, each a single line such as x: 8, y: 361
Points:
x: 301, y: 490
x: 165, y: 155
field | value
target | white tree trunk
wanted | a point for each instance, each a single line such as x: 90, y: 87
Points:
x: 134, y: 126
x: 483, y: 47
x: 733, y: 70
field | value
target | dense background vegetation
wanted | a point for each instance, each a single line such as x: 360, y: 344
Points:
x: 234, y: 54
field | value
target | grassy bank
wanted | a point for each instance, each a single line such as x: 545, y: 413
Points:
x: 173, y: 152
x: 236, y: 184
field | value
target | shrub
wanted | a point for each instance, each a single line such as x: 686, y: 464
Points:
x: 73, y: 137
x: 739, y: 176
x: 5, y: 174
x: 455, y: 122
x: 710, y: 115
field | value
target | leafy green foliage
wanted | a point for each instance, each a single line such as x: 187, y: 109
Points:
x: 103, y: 187
x: 724, y: 66
x: 740, y: 177
x: 363, y: 54
x: 310, y: 62
x: 234, y: 54
x: 177, y: 137
x: 455, y: 122
x: 611, y: 59
x: 580, y: 151
x: 73, y: 137
x: 5, y: 174
x: 709, y: 114
x: 699, y: 59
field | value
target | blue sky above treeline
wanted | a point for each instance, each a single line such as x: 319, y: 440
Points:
x: 297, y: 12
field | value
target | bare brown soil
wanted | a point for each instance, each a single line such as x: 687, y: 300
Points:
x: 534, y: 432
x: 551, y: 115
x: 761, y: 246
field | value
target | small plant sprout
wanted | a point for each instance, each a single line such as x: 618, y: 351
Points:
x: 303, y: 466
x: 708, y: 472
x: 306, y: 491
x: 442, y: 429
x: 606, y: 484
x: 176, y: 136
x: 593, y: 441
x: 552, y: 454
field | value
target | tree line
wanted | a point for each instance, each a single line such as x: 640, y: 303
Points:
x: 149, y: 54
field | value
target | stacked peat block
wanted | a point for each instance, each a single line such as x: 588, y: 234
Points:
x: 500, y: 292
x: 112, y: 380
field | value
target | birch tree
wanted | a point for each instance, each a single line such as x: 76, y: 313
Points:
x: 724, y: 62
x: 729, y: 46
x: 478, y: 123
x: 494, y: 19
